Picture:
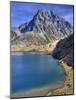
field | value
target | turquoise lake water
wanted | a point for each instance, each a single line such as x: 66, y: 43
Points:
x: 33, y: 70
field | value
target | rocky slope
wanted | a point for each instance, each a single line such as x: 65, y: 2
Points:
x: 65, y: 50
x: 44, y: 27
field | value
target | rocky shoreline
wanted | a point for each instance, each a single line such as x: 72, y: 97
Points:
x: 48, y: 48
x: 65, y: 88
x: 38, y: 92
x: 68, y: 88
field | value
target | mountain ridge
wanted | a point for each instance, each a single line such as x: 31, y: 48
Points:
x: 45, y: 26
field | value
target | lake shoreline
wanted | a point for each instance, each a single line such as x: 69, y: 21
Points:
x: 64, y: 88
x: 47, y: 49
x: 43, y: 91
x: 32, y: 52
x: 68, y: 87
x: 38, y: 91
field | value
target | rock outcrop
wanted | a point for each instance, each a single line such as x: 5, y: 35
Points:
x: 65, y: 50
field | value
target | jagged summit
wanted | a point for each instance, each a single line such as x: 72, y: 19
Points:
x: 45, y: 12
x: 41, y: 18
x: 46, y: 25
x: 45, y: 19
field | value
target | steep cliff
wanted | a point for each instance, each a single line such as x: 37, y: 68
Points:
x: 65, y: 50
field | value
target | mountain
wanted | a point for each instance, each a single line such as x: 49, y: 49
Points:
x: 65, y: 50
x: 44, y: 27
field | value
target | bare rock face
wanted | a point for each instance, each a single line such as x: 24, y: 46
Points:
x: 46, y: 21
x: 45, y: 26
x: 65, y: 50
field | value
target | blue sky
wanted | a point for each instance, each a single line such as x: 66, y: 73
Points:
x: 24, y: 12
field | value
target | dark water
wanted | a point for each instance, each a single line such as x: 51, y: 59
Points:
x: 29, y: 71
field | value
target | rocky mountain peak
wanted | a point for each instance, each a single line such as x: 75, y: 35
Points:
x: 44, y: 20
x: 44, y: 13
x: 47, y: 25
